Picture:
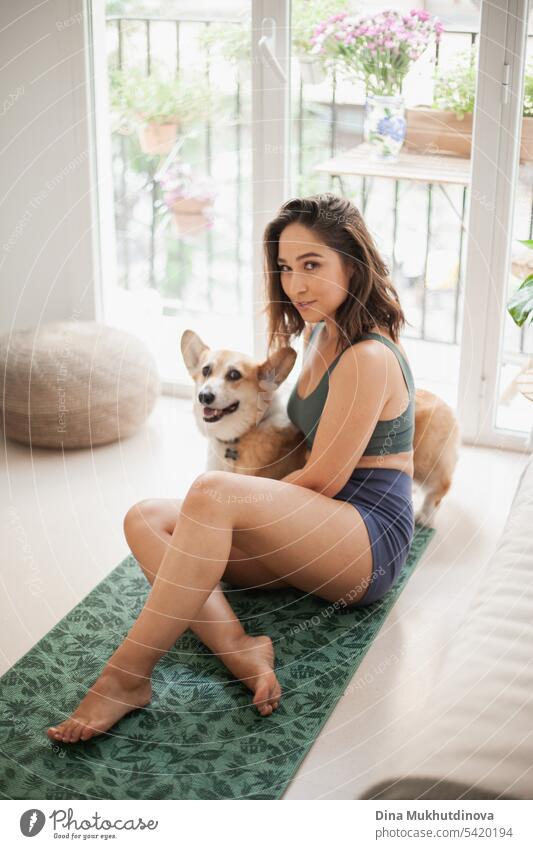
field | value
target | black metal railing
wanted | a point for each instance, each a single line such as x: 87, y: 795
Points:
x: 300, y: 120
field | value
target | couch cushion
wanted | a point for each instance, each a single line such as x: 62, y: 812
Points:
x: 476, y: 738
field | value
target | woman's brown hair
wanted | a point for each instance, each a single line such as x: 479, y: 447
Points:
x: 371, y: 299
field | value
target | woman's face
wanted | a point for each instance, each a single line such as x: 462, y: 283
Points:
x: 313, y: 276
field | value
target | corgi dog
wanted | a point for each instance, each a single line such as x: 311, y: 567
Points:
x: 238, y: 408
x: 436, y: 444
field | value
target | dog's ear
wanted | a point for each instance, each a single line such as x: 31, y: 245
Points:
x: 192, y: 348
x: 277, y: 367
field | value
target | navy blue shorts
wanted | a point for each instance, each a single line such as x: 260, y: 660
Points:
x: 384, y: 498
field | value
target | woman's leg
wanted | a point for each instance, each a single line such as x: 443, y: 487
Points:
x: 125, y: 685
x: 316, y: 543
x: 148, y: 527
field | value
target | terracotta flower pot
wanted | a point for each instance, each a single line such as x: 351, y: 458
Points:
x: 157, y: 139
x: 441, y: 131
x: 438, y: 131
x: 526, y: 140
x: 192, y: 215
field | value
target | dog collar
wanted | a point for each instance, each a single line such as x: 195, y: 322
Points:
x: 231, y: 453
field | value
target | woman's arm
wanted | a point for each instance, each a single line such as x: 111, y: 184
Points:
x: 299, y: 477
x: 358, y: 391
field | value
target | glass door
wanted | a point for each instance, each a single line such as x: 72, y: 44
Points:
x: 514, y: 388
x: 177, y: 94
x: 494, y: 348
x: 440, y: 209
x: 416, y: 207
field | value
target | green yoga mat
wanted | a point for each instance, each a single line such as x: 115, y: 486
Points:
x: 200, y: 737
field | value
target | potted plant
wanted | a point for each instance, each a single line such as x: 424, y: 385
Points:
x: 233, y: 42
x: 189, y: 198
x: 158, y: 106
x: 306, y: 15
x: 520, y: 305
x: 446, y: 125
x: 520, y: 308
x: 379, y: 49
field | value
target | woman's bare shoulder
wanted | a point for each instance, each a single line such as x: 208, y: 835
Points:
x: 385, y: 332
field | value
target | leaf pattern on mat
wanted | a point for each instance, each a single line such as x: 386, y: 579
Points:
x: 200, y: 737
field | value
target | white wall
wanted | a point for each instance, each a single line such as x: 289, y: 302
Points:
x: 47, y: 268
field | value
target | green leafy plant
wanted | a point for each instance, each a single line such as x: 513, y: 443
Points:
x: 157, y: 98
x: 229, y: 40
x: 455, y: 89
x: 308, y: 13
x: 527, y: 110
x: 233, y: 41
x: 520, y: 305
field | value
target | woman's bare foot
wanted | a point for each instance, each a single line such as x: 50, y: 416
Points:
x: 251, y: 659
x: 113, y: 694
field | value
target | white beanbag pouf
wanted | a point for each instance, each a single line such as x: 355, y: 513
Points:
x: 75, y: 384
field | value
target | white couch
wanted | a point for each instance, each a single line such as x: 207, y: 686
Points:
x: 476, y: 737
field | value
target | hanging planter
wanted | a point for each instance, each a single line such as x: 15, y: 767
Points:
x: 158, y: 106
x: 192, y: 215
x: 190, y: 199
x: 188, y: 222
x: 157, y: 139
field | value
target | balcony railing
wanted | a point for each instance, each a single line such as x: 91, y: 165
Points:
x: 309, y: 135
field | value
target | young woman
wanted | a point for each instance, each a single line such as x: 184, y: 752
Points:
x: 340, y: 527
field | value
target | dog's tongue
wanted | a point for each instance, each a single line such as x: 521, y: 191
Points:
x: 211, y: 411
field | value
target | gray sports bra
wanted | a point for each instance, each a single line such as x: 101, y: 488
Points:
x: 390, y: 436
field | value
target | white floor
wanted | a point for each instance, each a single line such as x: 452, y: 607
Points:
x: 61, y: 522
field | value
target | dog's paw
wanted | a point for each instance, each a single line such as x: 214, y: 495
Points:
x: 424, y: 519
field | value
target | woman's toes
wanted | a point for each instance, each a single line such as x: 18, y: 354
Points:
x: 75, y: 732
x: 266, y: 699
x: 67, y: 734
x: 56, y: 732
